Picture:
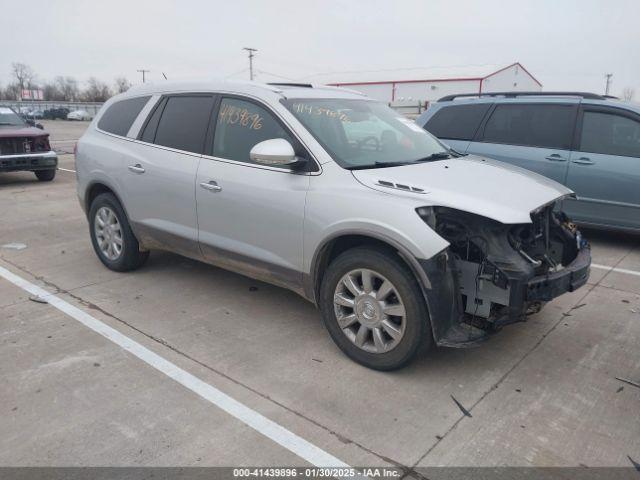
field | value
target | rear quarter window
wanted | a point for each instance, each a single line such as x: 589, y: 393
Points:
x: 120, y: 115
x: 457, y: 122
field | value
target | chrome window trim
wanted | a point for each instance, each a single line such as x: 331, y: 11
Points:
x: 151, y: 104
x: 262, y: 167
x: 137, y: 124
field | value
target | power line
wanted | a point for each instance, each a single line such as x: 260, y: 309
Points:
x: 143, y: 73
x: 251, y: 55
x: 276, y: 75
x: 236, y: 73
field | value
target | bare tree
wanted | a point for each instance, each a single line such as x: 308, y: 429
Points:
x: 23, y: 75
x: 12, y: 92
x: 51, y: 91
x: 96, y: 91
x: 68, y: 87
x: 122, y: 85
x: 628, y: 94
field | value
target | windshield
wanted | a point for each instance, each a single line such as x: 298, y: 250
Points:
x: 365, y: 133
x: 9, y: 117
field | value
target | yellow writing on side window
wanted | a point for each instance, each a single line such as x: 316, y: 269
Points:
x: 239, y: 116
x: 307, y: 109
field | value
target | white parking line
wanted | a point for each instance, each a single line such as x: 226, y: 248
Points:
x: 66, y: 170
x: 270, y: 429
x: 615, y: 269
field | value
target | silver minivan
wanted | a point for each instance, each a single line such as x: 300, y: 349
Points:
x: 588, y: 142
x: 401, y: 242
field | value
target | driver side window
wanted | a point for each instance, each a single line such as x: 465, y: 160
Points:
x: 240, y: 125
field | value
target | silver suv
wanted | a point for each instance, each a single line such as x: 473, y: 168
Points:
x: 400, y: 241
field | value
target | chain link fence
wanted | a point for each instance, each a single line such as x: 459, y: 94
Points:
x: 26, y: 106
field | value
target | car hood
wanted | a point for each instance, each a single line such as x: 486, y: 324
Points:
x: 10, y: 131
x: 477, y: 185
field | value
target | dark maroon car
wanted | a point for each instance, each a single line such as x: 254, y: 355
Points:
x: 24, y: 147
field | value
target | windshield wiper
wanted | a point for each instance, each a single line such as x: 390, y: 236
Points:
x: 377, y: 165
x: 434, y: 156
x: 8, y: 123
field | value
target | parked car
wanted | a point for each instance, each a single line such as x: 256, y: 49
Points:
x: 79, y: 115
x: 399, y: 240
x: 35, y: 115
x: 56, y: 113
x: 587, y: 142
x: 25, y: 147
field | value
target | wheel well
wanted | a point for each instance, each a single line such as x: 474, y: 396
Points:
x: 95, y: 190
x: 341, y: 244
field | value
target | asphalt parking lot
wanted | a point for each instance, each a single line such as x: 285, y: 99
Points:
x: 540, y: 393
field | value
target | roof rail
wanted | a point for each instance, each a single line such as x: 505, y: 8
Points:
x: 290, y: 84
x: 586, y: 95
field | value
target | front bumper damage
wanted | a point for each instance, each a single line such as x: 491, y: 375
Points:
x: 490, y: 276
x: 28, y: 161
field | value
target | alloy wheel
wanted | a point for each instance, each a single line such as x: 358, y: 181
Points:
x: 369, y: 310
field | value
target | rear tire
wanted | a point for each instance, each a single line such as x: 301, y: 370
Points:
x: 113, y: 241
x: 389, y: 304
x: 46, y: 175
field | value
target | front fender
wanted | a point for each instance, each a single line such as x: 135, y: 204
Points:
x: 369, y: 213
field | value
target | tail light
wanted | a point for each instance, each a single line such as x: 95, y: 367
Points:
x: 75, y: 149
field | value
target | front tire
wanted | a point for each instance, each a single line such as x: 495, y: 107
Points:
x: 113, y: 241
x: 373, y: 307
x: 45, y: 175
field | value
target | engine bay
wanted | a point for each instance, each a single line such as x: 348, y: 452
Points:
x: 494, y: 264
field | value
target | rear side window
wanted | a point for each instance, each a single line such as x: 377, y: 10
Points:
x: 457, y: 122
x: 240, y: 126
x: 610, y: 134
x: 184, y: 122
x: 120, y: 116
x: 549, y: 125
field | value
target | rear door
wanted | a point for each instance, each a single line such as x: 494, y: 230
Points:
x: 604, y: 170
x: 535, y: 136
x: 456, y: 125
x: 159, y: 181
x: 251, y: 216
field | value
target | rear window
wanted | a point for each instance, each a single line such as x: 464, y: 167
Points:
x: 120, y: 116
x: 531, y: 125
x: 184, y: 122
x: 457, y: 122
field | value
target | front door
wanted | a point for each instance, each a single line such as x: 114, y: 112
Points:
x: 604, y: 171
x: 250, y: 216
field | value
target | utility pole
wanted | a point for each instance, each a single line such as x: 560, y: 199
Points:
x: 251, y: 55
x: 143, y: 72
x: 608, y: 77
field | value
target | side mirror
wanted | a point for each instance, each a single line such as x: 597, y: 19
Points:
x: 40, y: 126
x: 274, y: 152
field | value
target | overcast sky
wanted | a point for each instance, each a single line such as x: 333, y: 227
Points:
x: 566, y: 44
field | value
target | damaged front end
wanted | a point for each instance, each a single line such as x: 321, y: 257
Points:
x: 493, y: 274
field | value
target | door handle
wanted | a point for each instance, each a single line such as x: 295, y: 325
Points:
x: 583, y: 161
x: 137, y: 168
x: 211, y: 185
x: 554, y: 157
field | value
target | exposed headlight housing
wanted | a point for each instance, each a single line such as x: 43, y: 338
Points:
x: 427, y: 214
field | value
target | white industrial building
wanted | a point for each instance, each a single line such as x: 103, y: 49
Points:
x: 421, y: 85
